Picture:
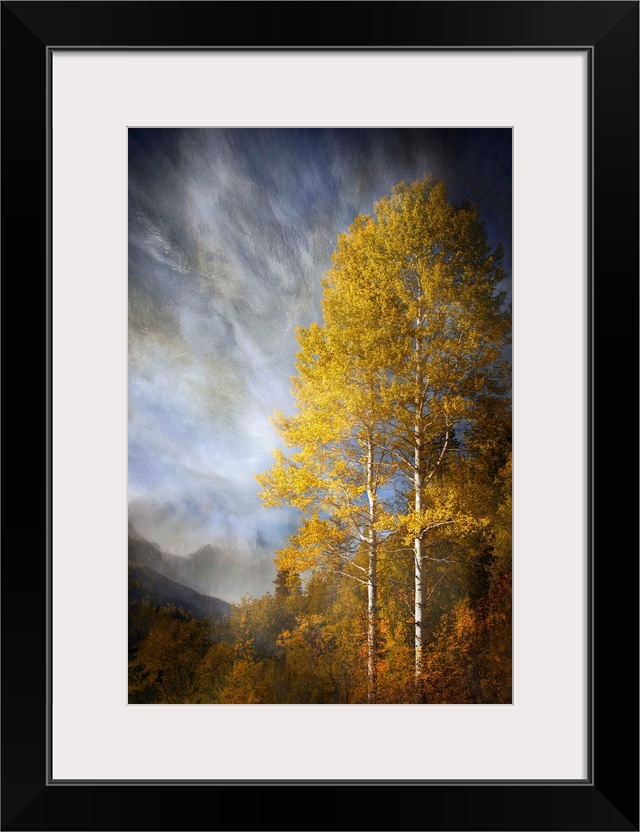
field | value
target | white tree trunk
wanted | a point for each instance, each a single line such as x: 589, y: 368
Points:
x: 419, y: 580
x: 418, y: 545
x: 372, y: 588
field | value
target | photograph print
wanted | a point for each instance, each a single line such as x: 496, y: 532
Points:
x: 319, y: 416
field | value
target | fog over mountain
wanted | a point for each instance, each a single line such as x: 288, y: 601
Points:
x: 230, y: 233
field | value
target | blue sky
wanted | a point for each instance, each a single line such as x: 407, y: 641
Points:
x: 230, y: 233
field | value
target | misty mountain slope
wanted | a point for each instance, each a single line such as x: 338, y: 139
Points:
x: 231, y: 568
x: 142, y: 552
x: 226, y: 570
x: 147, y: 584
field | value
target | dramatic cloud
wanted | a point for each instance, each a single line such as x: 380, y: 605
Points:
x: 230, y: 233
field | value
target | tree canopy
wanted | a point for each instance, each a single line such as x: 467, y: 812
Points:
x: 402, y: 425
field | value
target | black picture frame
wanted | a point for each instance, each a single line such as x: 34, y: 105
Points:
x: 608, y: 799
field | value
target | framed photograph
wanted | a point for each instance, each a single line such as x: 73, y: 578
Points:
x: 334, y: 590
x: 140, y: 138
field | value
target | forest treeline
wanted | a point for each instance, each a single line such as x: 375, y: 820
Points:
x: 308, y: 645
x: 396, y: 585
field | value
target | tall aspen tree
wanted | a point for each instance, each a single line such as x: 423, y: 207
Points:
x: 413, y: 337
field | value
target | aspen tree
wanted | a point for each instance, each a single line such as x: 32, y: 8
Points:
x: 413, y: 336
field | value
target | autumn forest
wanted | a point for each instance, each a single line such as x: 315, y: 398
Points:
x: 394, y: 584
